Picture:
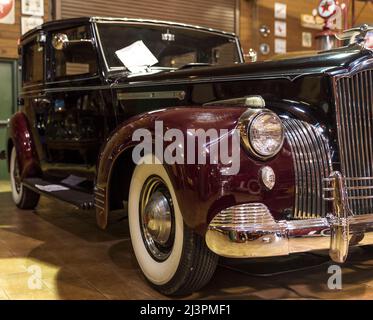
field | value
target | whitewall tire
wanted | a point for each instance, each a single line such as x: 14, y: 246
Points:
x: 171, y: 256
x: 23, y: 198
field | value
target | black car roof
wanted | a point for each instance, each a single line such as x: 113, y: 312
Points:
x: 82, y: 20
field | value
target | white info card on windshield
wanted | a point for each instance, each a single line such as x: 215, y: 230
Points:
x: 136, y: 57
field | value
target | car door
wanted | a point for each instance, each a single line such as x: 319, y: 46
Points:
x: 74, y: 121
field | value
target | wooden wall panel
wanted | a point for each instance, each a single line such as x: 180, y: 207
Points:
x: 363, y: 13
x: 10, y: 33
x: 219, y: 14
x: 257, y: 12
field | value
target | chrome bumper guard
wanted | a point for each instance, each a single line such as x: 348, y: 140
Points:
x: 250, y: 231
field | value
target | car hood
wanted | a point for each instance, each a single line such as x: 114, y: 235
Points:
x: 321, y: 62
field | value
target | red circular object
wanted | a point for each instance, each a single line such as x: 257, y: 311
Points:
x: 5, y: 7
x: 326, y: 8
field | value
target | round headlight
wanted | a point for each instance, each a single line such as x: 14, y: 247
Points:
x: 266, y: 134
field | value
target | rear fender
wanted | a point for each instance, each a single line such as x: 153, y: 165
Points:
x: 21, y: 136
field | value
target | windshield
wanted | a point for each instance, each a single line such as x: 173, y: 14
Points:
x: 173, y: 47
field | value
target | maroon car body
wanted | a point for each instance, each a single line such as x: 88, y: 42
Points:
x: 83, y: 126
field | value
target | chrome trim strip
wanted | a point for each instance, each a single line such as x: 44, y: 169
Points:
x: 305, y: 224
x: 98, y: 206
x: 248, y: 101
x: 244, y: 216
x: 352, y: 188
x: 339, y: 229
x: 150, y: 21
x: 312, y: 163
x: 100, y: 201
x: 143, y: 84
x: 179, y: 95
x: 351, y: 178
x: 102, y: 196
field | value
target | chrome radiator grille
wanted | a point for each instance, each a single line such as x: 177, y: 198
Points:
x: 312, y: 162
x: 354, y: 109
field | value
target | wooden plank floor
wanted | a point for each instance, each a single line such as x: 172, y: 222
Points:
x: 79, y: 261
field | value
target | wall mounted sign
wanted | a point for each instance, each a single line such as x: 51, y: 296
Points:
x: 7, y: 14
x: 28, y: 23
x: 280, y: 10
x: 326, y: 8
x: 280, y: 45
x: 311, y: 22
x: 33, y: 7
x: 264, y: 49
x: 307, y: 39
x: 280, y: 28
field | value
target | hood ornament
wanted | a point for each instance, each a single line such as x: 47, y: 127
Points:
x: 361, y: 36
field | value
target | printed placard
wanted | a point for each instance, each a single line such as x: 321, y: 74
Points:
x: 307, y: 39
x: 29, y: 23
x: 136, y: 57
x: 280, y: 10
x: 33, y: 7
x: 280, y: 28
x: 280, y: 45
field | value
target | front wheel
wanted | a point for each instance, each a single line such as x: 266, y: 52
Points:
x: 174, y: 259
x: 23, y: 198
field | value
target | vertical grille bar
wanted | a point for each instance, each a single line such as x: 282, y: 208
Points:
x: 354, y: 121
x: 312, y: 163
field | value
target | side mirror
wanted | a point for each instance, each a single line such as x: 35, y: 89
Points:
x: 61, y: 41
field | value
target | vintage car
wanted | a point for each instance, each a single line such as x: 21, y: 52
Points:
x: 304, y: 179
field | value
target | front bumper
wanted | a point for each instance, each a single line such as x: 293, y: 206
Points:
x: 260, y: 236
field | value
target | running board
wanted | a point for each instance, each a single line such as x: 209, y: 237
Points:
x: 79, y: 199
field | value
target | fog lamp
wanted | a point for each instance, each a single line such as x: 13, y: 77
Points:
x: 268, y: 177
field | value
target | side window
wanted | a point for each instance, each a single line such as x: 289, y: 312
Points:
x: 33, y: 62
x: 77, y: 58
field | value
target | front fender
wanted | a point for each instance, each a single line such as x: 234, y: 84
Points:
x: 203, y: 190
x: 20, y: 134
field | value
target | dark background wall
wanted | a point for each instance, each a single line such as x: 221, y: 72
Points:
x: 10, y: 33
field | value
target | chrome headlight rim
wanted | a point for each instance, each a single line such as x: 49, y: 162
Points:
x: 245, y: 123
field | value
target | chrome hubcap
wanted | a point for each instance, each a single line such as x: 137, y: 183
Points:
x: 157, y: 218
